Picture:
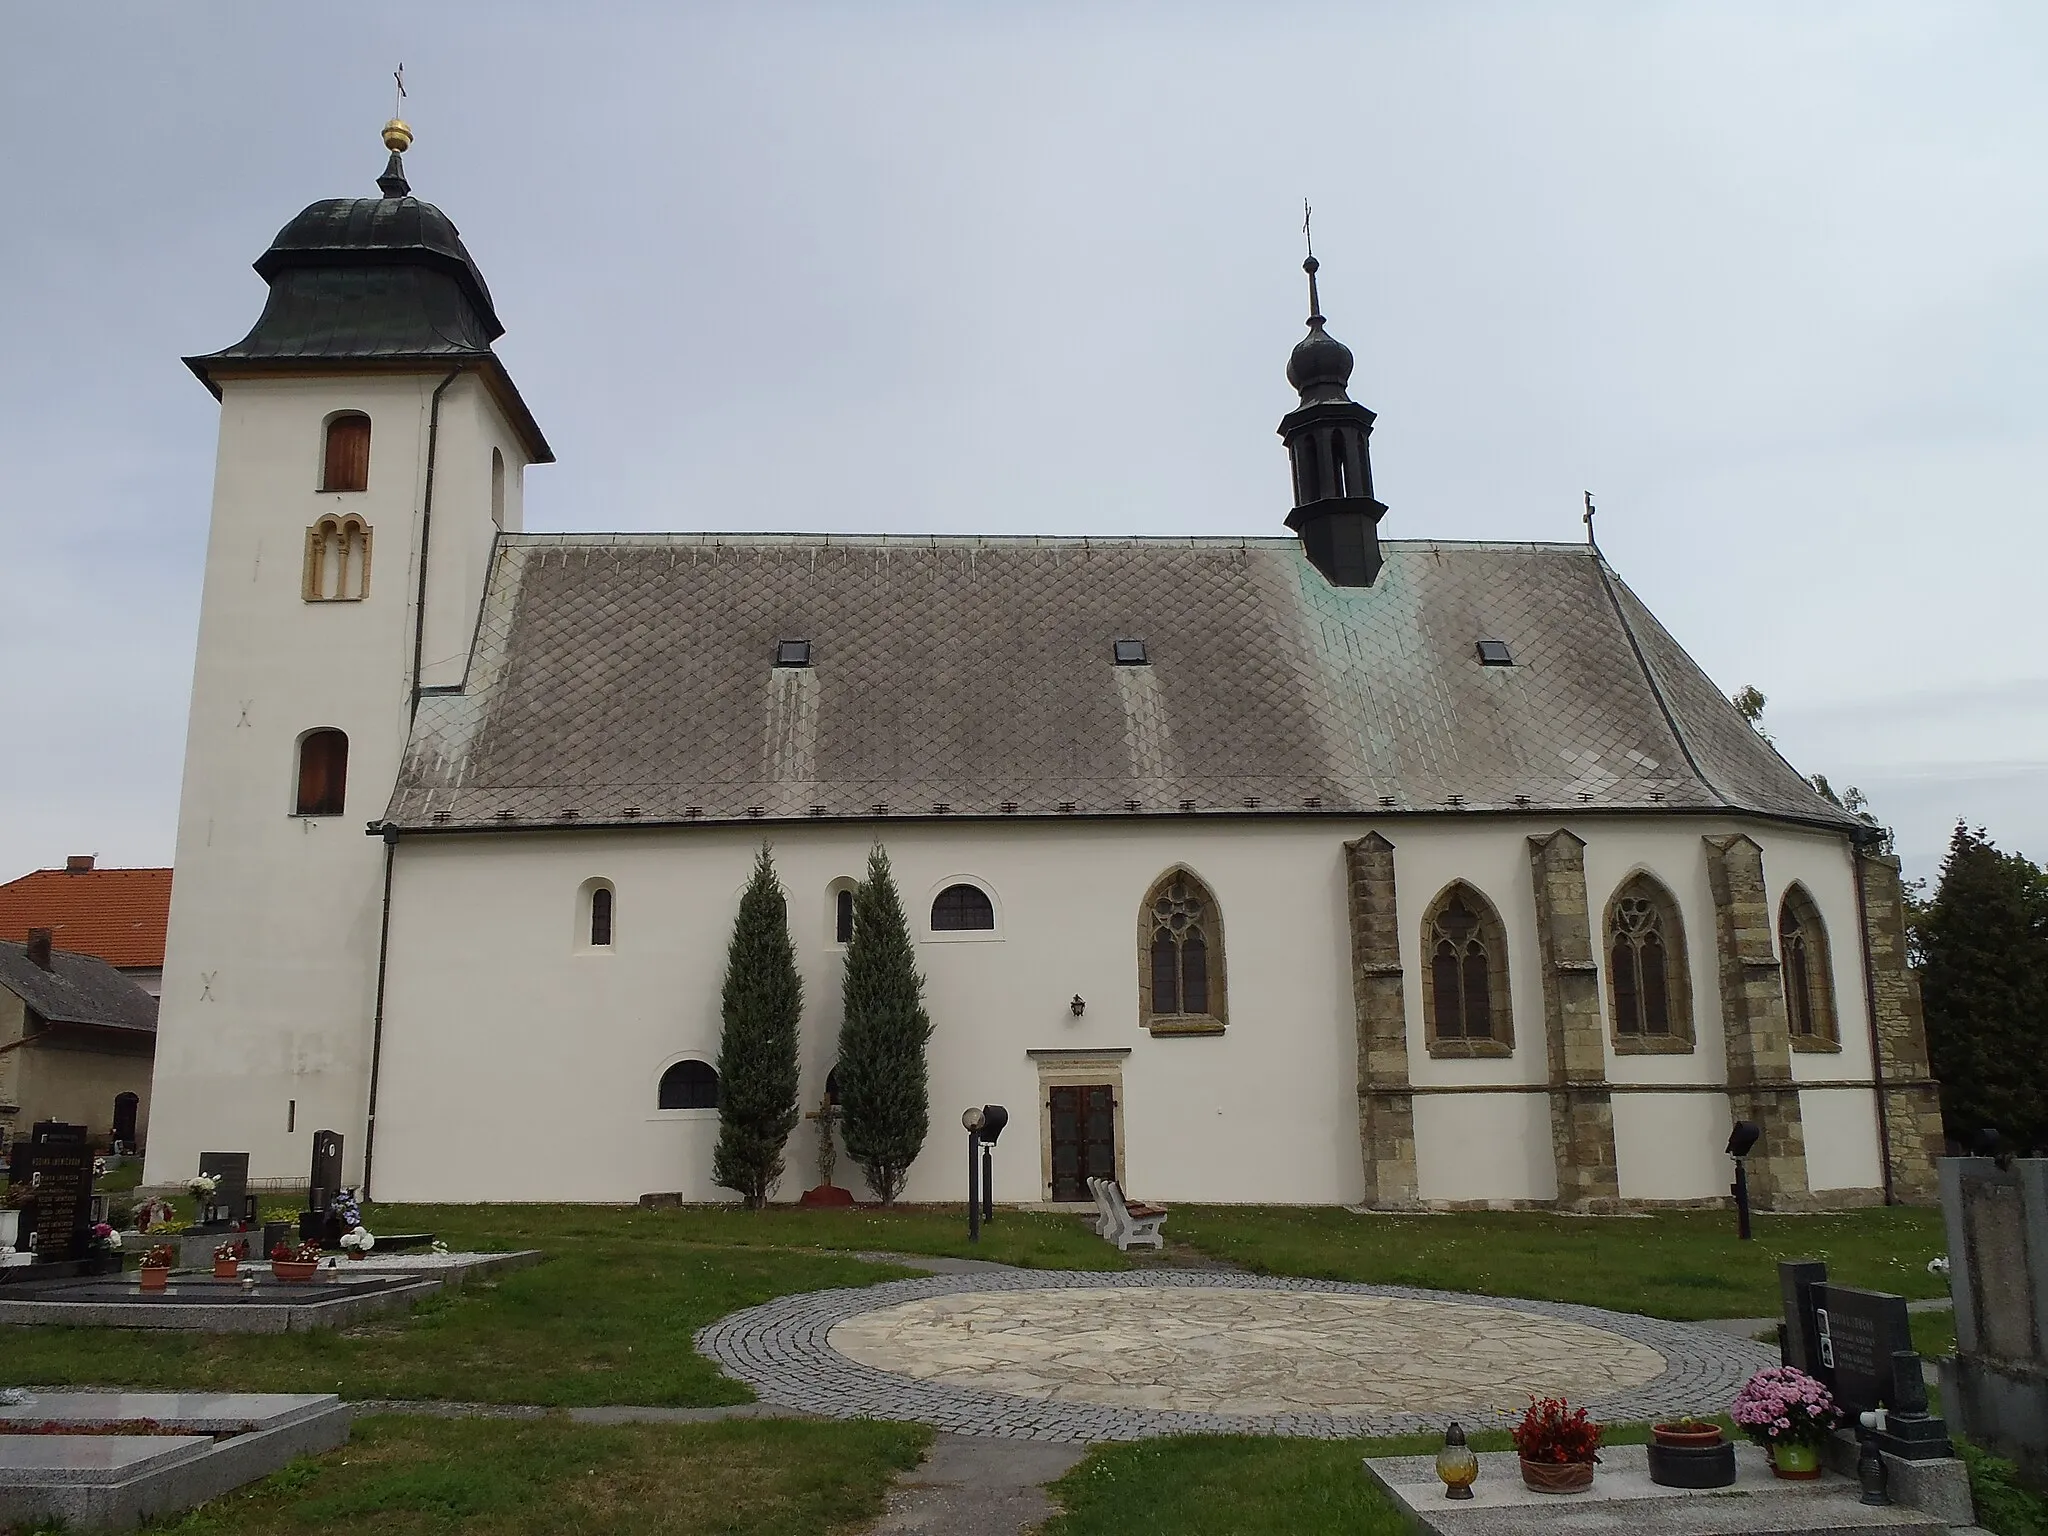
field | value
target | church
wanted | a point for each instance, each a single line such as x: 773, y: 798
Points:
x: 1319, y: 867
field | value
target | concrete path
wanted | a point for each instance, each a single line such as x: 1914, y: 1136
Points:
x: 973, y: 1486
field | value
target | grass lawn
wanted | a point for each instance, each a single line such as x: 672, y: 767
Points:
x: 1683, y: 1265
x: 494, y: 1478
x: 606, y: 1319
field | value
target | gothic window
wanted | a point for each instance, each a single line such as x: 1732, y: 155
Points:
x: 346, y: 463
x: 1180, y: 965
x: 689, y: 1085
x: 1466, y: 1011
x: 1808, y: 973
x: 963, y: 909
x: 323, y: 773
x: 1649, y: 986
x: 338, y: 560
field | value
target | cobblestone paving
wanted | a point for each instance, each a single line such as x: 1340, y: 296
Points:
x: 1296, y: 1372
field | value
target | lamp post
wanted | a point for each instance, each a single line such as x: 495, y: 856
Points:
x: 1740, y: 1140
x: 983, y: 1124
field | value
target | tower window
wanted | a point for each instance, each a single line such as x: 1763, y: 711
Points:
x: 963, y: 909
x: 1131, y: 653
x: 498, y: 487
x: 323, y: 773
x: 792, y: 653
x: 346, y: 465
x: 689, y: 1085
x: 337, y: 560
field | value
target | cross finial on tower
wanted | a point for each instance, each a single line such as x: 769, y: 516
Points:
x: 1310, y: 266
x: 1587, y: 519
x: 397, y: 139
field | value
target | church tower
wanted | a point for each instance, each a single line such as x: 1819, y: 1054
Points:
x: 371, y: 447
x: 1328, y: 441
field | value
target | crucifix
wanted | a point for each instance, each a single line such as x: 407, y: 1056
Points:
x: 1587, y: 519
x: 398, y: 101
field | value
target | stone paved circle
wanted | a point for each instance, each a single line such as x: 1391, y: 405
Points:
x: 1085, y: 1356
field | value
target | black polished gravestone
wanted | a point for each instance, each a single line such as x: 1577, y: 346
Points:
x: 61, y: 1175
x: 1860, y: 1345
x: 230, y: 1198
x: 321, y: 1188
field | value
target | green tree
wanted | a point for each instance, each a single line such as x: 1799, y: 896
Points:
x: 1984, y: 982
x: 883, y: 1089
x: 757, y: 1065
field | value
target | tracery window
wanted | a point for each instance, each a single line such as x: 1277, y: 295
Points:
x: 338, y: 560
x: 962, y: 909
x: 1466, y: 1011
x: 1808, y: 973
x: 345, y: 465
x: 1649, y: 987
x: 323, y: 773
x: 689, y: 1085
x: 1180, y: 968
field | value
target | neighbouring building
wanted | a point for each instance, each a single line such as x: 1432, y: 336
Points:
x: 1312, y: 868
x: 117, y: 914
x: 76, y: 1042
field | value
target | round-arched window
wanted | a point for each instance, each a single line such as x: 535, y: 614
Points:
x: 690, y: 1085
x: 962, y: 909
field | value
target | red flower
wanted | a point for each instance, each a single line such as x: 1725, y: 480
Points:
x: 1554, y: 1431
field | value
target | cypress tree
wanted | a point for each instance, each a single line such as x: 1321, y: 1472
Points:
x: 1984, y: 982
x: 757, y: 1053
x: 883, y: 1088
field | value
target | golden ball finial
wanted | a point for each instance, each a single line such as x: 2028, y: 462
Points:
x: 397, y: 136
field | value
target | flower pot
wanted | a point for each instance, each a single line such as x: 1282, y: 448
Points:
x: 1557, y: 1476
x: 356, y: 1255
x: 292, y: 1271
x: 153, y: 1278
x: 1691, y: 1466
x: 1692, y: 1437
x: 1795, y: 1460
x: 226, y: 1269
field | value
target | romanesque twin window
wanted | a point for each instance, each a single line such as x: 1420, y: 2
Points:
x: 338, y: 544
x: 1465, y: 1006
x: 1180, y: 960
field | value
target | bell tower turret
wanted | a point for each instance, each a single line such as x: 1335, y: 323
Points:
x: 1328, y: 441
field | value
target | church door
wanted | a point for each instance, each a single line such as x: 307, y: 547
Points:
x: 1083, y: 1139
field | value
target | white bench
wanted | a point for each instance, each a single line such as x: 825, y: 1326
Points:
x: 1122, y: 1224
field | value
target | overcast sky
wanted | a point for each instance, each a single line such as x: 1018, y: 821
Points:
x: 1768, y: 280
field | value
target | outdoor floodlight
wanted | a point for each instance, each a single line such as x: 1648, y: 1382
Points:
x: 1743, y: 1137
x: 1740, y: 1140
x: 993, y: 1118
x: 983, y: 1125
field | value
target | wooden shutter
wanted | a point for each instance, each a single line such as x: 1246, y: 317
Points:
x: 348, y: 454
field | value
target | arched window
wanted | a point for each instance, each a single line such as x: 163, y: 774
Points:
x: 323, y: 773
x: 338, y: 560
x: 1340, y: 464
x: 963, y: 909
x: 601, y: 916
x: 1808, y: 972
x: 689, y: 1085
x: 832, y: 1086
x: 1465, y: 1006
x: 1180, y: 958
x: 1310, y: 473
x: 498, y: 487
x: 346, y: 464
x: 842, y: 915
x: 1649, y: 985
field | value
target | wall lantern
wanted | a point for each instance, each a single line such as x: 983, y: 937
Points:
x: 1078, y: 1006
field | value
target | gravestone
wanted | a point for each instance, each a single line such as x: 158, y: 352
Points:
x: 62, y: 1178
x: 1860, y: 1346
x: 231, y: 1193
x: 1996, y: 1387
x: 321, y: 1188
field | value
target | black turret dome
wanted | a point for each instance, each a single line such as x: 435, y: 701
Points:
x: 341, y: 232
x: 1320, y: 364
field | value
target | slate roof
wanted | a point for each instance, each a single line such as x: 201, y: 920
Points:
x: 628, y: 679
x: 117, y: 914
x: 79, y: 989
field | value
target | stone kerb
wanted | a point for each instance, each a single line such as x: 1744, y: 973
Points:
x: 783, y: 1350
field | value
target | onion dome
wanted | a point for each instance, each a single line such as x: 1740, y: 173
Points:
x: 1320, y: 365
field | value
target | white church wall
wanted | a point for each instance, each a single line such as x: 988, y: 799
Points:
x: 270, y: 967
x: 458, y: 562
x: 1484, y: 1146
x: 1842, y: 1150
x: 1822, y: 865
x: 1668, y: 1146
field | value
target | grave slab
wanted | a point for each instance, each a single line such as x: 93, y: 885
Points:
x: 1623, y: 1499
